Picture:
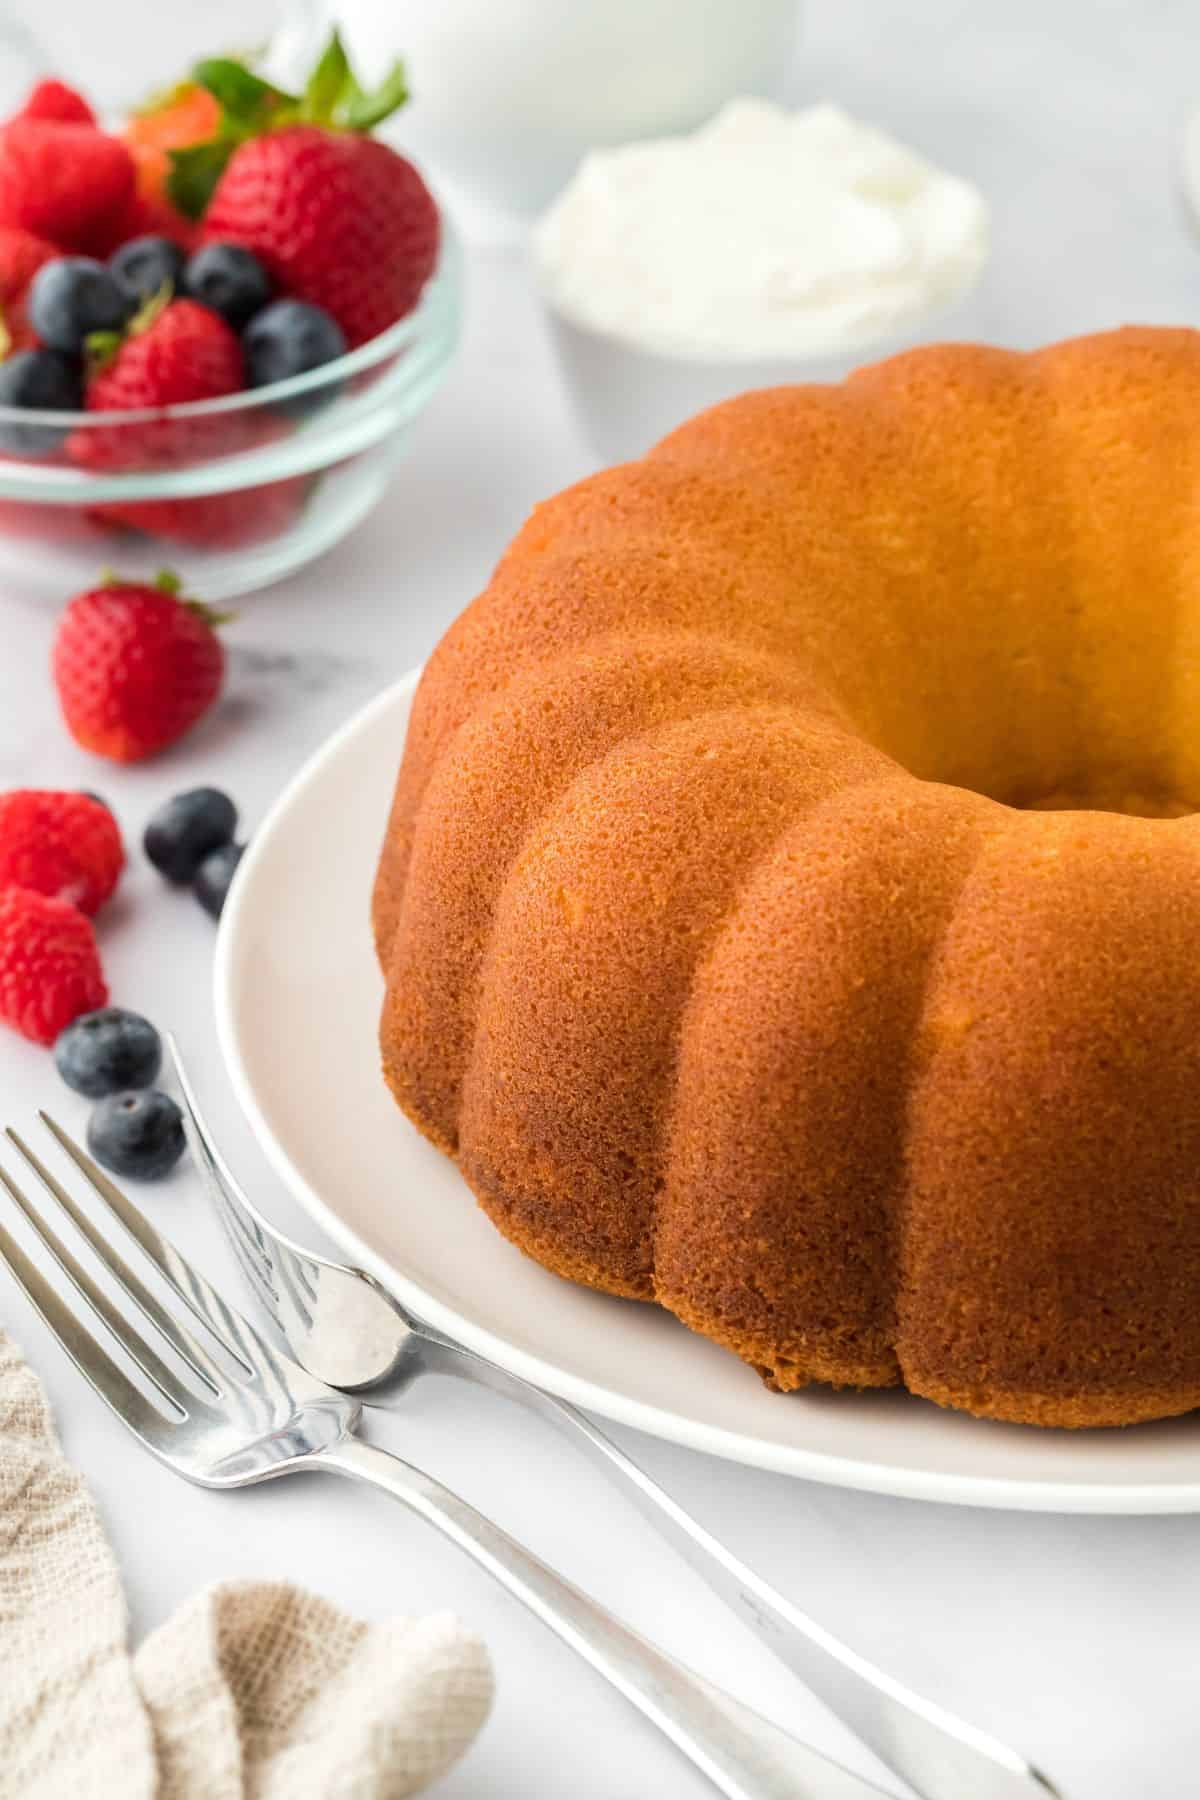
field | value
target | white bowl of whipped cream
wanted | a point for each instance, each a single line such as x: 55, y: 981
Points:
x: 768, y: 246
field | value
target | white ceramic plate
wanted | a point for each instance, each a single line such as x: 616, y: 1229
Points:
x: 298, y: 995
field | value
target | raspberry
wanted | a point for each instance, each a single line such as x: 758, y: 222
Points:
x: 65, y: 183
x: 55, y: 100
x: 49, y: 965
x: 65, y: 845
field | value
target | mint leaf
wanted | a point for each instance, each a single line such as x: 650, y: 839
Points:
x: 362, y: 112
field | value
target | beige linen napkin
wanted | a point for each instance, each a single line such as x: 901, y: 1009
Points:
x: 253, y: 1689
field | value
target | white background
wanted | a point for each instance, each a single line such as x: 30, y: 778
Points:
x: 1077, y: 1638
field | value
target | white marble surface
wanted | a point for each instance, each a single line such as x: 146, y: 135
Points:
x: 1077, y: 1638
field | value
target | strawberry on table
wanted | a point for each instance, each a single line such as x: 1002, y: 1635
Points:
x: 49, y: 964
x: 21, y: 256
x: 174, y: 351
x: 63, y: 844
x: 135, y: 666
x: 338, y: 218
x: 68, y: 183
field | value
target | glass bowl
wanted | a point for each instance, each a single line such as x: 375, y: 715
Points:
x: 230, y: 493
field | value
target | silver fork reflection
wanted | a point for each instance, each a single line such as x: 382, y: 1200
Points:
x: 258, y: 1415
x: 343, y: 1325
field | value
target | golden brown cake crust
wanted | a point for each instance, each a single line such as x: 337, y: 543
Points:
x: 766, y: 926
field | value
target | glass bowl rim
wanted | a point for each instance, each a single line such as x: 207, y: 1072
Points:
x: 366, y: 356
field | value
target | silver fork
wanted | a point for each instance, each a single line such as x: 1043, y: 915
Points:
x: 343, y: 1325
x: 266, y: 1416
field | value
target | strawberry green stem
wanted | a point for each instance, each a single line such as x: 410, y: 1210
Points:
x: 333, y: 98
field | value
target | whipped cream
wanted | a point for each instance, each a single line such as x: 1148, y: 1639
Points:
x: 765, y: 234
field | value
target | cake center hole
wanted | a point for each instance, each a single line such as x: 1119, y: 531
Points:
x: 1113, y: 796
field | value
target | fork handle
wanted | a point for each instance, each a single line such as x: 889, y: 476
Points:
x: 745, y: 1756
x: 940, y: 1755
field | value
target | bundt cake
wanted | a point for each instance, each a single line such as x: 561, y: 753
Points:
x: 790, y: 907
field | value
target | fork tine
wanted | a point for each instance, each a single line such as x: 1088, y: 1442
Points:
x: 185, y: 1345
x: 251, y: 1261
x: 223, y: 1188
x: 219, y: 1179
x: 130, y: 1339
x: 299, y: 1290
x: 266, y: 1274
x: 84, y: 1349
x: 240, y: 1338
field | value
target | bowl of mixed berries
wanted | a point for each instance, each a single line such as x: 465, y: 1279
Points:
x: 216, y: 324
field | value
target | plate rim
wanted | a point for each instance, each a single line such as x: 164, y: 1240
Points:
x: 903, y: 1482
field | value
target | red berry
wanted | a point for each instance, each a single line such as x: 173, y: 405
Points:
x: 51, y: 524
x: 147, y: 216
x: 21, y: 256
x: 216, y: 521
x: 49, y: 965
x: 135, y: 667
x: 63, y: 182
x: 338, y: 219
x: 182, y: 353
x: 63, y: 844
x: 55, y: 100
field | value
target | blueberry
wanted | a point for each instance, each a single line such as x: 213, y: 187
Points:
x: 214, y: 875
x: 106, y: 1051
x: 228, y: 279
x: 287, y: 338
x: 38, y: 381
x: 145, y: 265
x: 181, y: 833
x: 138, y: 1134
x: 72, y: 297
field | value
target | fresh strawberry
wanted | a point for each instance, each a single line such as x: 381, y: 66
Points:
x: 216, y: 521
x: 135, y: 667
x: 21, y: 256
x: 55, y: 100
x: 49, y: 964
x: 338, y: 218
x: 63, y: 844
x: 67, y: 183
x: 174, y: 352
